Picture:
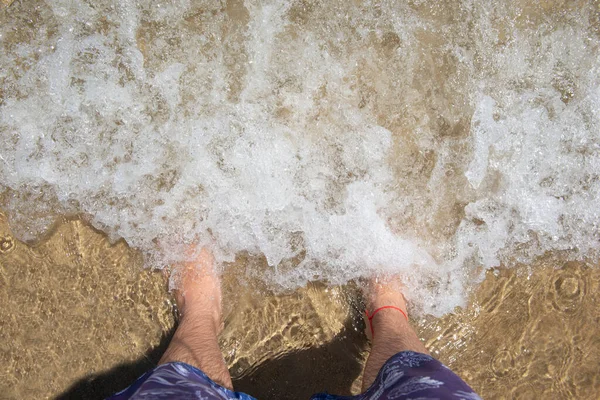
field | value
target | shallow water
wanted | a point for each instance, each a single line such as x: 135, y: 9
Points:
x: 337, y: 139
x: 75, y: 307
x: 303, y: 141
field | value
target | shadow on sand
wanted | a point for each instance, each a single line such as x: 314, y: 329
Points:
x: 332, y: 367
x: 104, y: 384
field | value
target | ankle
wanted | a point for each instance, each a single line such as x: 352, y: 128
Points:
x: 202, y: 320
x: 389, y: 318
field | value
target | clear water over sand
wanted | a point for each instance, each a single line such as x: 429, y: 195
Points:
x: 434, y: 139
x: 306, y: 141
x: 82, y: 317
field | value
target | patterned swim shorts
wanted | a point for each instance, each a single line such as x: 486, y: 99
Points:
x: 406, y: 375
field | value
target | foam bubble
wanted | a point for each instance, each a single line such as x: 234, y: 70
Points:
x: 337, y: 140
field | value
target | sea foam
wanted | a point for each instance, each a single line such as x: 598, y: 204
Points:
x: 337, y: 140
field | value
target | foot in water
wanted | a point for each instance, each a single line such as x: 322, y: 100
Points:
x: 198, y: 299
x: 392, y: 332
x: 199, y: 289
x: 385, y: 294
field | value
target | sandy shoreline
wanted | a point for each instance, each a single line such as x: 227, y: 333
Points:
x: 80, y: 313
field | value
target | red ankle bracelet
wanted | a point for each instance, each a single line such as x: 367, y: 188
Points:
x: 370, y: 317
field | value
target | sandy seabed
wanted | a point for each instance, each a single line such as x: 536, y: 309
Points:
x: 81, y: 318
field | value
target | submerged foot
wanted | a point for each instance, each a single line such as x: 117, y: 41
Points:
x: 199, y: 293
x: 386, y: 291
x: 198, y: 298
x: 388, y: 323
x: 386, y: 305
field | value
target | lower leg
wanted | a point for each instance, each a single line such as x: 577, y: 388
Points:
x: 199, y: 302
x: 392, y: 333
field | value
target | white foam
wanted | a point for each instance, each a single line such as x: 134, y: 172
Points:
x: 307, y: 132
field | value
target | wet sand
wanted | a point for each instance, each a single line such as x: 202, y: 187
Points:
x: 81, y: 318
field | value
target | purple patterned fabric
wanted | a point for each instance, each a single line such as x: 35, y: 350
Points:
x: 177, y: 380
x: 415, y: 376
x: 407, y: 375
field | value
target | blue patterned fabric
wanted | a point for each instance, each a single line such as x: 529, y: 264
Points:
x: 177, y: 380
x: 415, y: 376
x: 407, y: 375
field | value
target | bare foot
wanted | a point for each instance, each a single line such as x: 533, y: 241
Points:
x: 384, y: 297
x: 392, y: 332
x: 195, y: 341
x: 199, y: 296
x: 385, y: 291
